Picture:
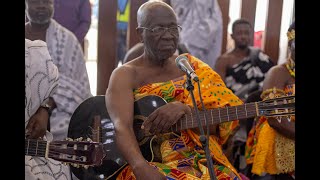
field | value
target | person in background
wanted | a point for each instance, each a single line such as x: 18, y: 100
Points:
x: 243, y: 69
x: 270, y: 148
x: 202, y: 27
x: 66, y: 53
x: 41, y: 82
x: 75, y: 15
x: 180, y: 156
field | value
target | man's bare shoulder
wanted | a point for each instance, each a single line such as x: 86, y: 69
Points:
x: 278, y: 70
x: 225, y: 58
x: 126, y: 70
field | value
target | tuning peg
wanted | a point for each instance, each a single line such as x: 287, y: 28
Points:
x: 85, y: 166
x: 69, y: 139
x: 88, y: 139
x: 75, y: 165
x: 79, y: 139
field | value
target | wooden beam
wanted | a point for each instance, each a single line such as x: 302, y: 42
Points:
x: 132, y: 37
x: 224, y: 6
x: 272, y: 31
x: 248, y: 11
x: 107, y: 43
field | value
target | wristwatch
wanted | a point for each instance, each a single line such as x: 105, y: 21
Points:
x: 47, y: 106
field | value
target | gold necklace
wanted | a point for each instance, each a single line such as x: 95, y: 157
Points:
x: 291, y: 68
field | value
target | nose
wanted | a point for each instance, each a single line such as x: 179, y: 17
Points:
x: 168, y: 35
x: 42, y: 3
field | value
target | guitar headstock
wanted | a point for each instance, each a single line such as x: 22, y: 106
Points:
x: 282, y: 106
x: 78, y: 153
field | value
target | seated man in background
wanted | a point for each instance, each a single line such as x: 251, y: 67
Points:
x: 243, y: 69
x: 67, y: 55
x: 155, y: 73
x: 41, y: 81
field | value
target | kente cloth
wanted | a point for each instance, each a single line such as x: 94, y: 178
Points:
x: 266, y: 149
x: 248, y: 75
x: 202, y: 25
x: 74, y: 86
x: 41, y: 81
x: 182, y: 156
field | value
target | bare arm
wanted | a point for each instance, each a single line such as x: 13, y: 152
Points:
x: 277, y: 77
x: 221, y: 66
x: 120, y: 103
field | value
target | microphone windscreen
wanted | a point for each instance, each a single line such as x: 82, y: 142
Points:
x: 179, y: 58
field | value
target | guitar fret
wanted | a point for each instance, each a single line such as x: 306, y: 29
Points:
x: 177, y: 126
x: 228, y: 113
x: 47, y: 150
x: 245, y: 108
x: 192, y: 116
x: 237, y: 112
x: 28, y: 147
x: 186, y: 125
x: 191, y: 120
x: 211, y: 116
x: 219, y: 115
x: 36, y: 148
x: 181, y: 124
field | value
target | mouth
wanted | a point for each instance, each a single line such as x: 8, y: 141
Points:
x: 42, y: 13
x: 166, y: 47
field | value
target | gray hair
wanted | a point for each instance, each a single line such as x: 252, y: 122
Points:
x: 145, y: 8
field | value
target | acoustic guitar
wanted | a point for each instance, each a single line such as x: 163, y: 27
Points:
x: 82, y: 121
x: 78, y: 153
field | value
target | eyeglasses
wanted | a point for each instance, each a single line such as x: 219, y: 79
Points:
x: 161, y: 30
x: 38, y: 1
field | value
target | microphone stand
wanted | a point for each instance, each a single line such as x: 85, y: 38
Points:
x: 203, y: 139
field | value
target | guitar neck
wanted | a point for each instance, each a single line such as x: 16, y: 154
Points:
x: 35, y: 147
x: 217, y: 116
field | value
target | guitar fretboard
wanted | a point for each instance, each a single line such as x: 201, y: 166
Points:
x: 35, y: 147
x: 217, y: 116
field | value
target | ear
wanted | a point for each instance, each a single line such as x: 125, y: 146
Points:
x: 139, y: 33
x: 232, y: 36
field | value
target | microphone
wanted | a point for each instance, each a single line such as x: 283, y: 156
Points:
x: 183, y: 64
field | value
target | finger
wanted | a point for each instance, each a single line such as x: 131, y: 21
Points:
x: 166, y: 127
x: 155, y: 125
x: 147, y: 123
x: 189, y: 110
x: 30, y: 125
x: 33, y: 134
x: 161, y: 125
x: 37, y: 132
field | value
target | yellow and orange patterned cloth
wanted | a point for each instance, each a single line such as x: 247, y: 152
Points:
x: 183, y: 157
x: 268, y: 151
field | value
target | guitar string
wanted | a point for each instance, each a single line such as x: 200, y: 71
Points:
x: 215, y: 110
x: 104, y: 130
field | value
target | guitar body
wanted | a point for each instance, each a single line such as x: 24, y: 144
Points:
x: 81, y: 126
x: 142, y: 109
